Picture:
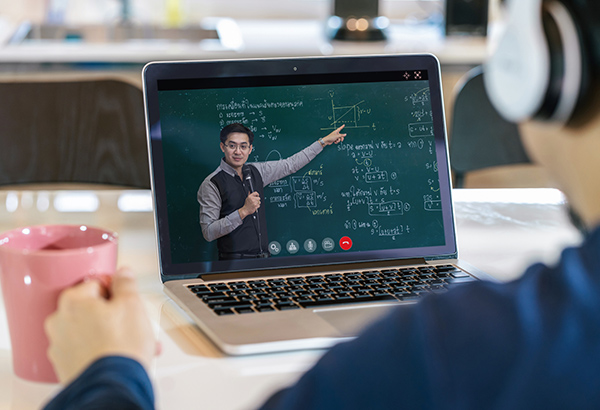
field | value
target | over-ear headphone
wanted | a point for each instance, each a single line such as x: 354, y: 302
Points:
x: 538, y: 69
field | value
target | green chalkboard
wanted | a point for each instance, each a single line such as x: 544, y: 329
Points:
x: 380, y: 187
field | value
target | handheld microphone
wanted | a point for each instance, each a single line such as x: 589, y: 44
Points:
x: 248, y: 178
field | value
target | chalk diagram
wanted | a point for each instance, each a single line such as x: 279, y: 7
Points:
x: 352, y: 116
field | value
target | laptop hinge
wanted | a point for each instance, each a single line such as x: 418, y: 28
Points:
x: 315, y: 269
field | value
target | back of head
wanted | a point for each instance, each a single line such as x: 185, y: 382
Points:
x: 586, y: 14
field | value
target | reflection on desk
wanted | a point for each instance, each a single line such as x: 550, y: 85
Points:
x: 500, y: 231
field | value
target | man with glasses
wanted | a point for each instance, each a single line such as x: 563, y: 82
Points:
x: 230, y: 197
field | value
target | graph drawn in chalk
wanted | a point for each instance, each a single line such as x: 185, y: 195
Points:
x: 352, y: 116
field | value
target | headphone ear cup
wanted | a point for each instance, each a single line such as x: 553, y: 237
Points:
x: 517, y: 74
x: 536, y: 70
x: 557, y: 67
x: 568, y: 81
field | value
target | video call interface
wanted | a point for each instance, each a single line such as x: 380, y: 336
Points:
x: 377, y: 190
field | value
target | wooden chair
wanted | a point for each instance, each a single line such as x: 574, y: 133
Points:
x: 88, y: 131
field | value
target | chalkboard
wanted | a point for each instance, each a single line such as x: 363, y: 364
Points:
x: 379, y: 188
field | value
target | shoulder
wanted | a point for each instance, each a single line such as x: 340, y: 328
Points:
x: 258, y: 167
x: 209, y: 182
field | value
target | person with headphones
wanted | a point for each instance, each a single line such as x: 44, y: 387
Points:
x: 530, y: 343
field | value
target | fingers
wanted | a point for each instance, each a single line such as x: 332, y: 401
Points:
x: 89, y: 289
x: 123, y: 284
x: 254, y: 198
x: 337, y: 136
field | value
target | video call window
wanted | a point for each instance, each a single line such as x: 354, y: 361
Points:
x: 379, y: 189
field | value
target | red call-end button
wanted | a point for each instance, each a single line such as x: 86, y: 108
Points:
x: 345, y: 243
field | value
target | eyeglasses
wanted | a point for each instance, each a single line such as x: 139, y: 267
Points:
x: 233, y: 146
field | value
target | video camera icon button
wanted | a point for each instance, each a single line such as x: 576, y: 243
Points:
x: 328, y: 244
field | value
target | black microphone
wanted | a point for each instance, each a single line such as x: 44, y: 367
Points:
x: 248, y: 178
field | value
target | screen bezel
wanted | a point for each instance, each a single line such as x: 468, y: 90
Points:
x: 190, y: 71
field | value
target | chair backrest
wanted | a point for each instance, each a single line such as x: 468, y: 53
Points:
x: 73, y: 131
x: 479, y: 136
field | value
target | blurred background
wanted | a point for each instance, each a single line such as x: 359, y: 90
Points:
x: 53, y: 40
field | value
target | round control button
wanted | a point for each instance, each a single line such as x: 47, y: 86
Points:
x: 292, y: 246
x: 275, y: 248
x: 345, y: 243
x: 310, y: 245
x: 328, y: 244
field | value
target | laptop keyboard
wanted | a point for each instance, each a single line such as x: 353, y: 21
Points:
x: 268, y: 295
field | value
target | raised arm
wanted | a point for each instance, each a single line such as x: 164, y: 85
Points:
x: 271, y: 171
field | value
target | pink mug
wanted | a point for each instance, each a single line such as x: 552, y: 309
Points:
x: 36, y: 264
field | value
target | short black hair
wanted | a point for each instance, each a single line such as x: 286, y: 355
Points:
x: 236, y: 127
x: 586, y: 14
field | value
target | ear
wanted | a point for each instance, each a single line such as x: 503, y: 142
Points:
x: 222, y: 147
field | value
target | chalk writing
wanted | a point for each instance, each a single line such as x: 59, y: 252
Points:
x: 432, y: 204
x: 423, y: 129
x: 301, y: 184
x: 377, y: 176
x: 387, y: 208
x: 420, y: 97
x: 305, y: 200
x: 246, y: 104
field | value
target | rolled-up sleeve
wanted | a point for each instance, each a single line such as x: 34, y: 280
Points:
x: 212, y: 226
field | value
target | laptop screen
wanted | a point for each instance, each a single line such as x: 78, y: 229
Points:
x: 382, y: 193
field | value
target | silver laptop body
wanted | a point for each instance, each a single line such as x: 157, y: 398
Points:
x: 370, y: 218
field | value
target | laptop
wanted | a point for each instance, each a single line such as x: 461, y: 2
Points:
x: 365, y: 226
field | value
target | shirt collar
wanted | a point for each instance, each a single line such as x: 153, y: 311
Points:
x: 227, y: 168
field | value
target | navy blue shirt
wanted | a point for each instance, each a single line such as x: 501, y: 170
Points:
x: 530, y: 343
x: 115, y: 383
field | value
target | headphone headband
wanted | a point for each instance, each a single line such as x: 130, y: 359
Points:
x: 535, y: 73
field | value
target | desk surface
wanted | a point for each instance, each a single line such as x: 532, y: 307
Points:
x: 499, y: 231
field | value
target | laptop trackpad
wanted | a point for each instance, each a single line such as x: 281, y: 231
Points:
x: 350, y: 321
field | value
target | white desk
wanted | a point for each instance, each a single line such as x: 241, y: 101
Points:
x: 499, y: 231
